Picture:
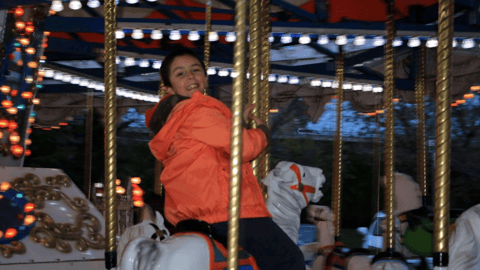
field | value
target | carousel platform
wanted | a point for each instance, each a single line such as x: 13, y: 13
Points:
x: 50, y: 224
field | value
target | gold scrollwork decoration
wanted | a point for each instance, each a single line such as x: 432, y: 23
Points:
x: 56, y: 234
x: 26, y: 183
x: 15, y: 247
x: 61, y: 180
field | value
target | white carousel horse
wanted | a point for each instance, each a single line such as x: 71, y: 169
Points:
x: 291, y: 187
x: 152, y: 225
x: 464, y: 242
x: 323, y: 217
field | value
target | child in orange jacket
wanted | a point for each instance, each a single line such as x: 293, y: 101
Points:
x: 191, y: 137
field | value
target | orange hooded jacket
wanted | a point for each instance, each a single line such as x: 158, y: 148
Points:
x: 194, y: 147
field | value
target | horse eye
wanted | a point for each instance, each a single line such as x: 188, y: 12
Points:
x: 303, y: 174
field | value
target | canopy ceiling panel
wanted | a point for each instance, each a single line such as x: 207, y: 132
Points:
x: 76, y: 45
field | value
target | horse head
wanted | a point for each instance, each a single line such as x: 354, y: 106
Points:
x: 407, y: 193
x: 290, y: 188
x: 301, y: 183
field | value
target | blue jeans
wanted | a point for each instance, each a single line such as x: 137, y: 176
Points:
x: 267, y: 242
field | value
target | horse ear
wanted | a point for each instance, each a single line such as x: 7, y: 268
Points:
x: 281, y: 167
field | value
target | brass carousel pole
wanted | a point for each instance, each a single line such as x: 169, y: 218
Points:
x: 255, y: 64
x: 206, y: 44
x: 265, y: 85
x: 389, y: 136
x: 88, y: 145
x: 421, y: 151
x: 443, y: 135
x: 337, y: 148
x: 111, y: 223
x: 236, y: 150
x: 157, y: 186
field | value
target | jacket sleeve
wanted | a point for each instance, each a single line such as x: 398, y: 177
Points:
x: 212, y: 127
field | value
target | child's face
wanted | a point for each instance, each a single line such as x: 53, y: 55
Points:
x: 186, y: 76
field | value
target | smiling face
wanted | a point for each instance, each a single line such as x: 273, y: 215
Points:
x: 186, y: 76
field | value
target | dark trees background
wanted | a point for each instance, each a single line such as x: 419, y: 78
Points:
x: 362, y: 160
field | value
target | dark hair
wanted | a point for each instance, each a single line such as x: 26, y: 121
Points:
x: 167, y: 62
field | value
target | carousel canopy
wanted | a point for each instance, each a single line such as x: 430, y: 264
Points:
x: 306, y: 37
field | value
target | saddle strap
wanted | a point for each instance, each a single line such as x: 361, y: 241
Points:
x: 200, y: 226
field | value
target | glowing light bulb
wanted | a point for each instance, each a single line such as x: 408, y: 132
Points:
x: 157, y: 64
x: 136, y: 180
x: 413, y: 42
x: 341, y: 40
x: 468, y: 43
x: 119, y: 34
x: 75, y: 5
x: 211, y: 71
x: 156, y: 34
x: 378, y: 41
x: 397, y: 42
x: 322, y: 40
x: 175, y: 35
x: 223, y: 72
x: 129, y: 61
x: 286, y: 38
x: 93, y: 3
x: 5, y: 89
x: 230, y: 37
x: 213, y: 36
x: 56, y: 6
x: 431, y: 43
x: 233, y: 74
x: 315, y: 82
x: 144, y: 63
x: 282, y: 79
x: 304, y: 39
x: 359, y: 41
x: 193, y: 36
x: 137, y: 34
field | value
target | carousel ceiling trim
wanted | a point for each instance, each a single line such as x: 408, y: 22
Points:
x: 96, y: 25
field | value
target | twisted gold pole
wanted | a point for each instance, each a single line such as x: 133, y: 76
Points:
x: 110, y: 135
x: 206, y: 48
x: 255, y: 64
x: 157, y: 186
x: 337, y: 148
x: 443, y: 133
x: 265, y: 85
x: 88, y: 145
x: 236, y: 150
x: 389, y: 137
x: 420, y: 100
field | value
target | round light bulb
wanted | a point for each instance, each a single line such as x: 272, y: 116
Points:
x: 75, y: 5
x: 93, y: 3
x: 119, y: 34
x: 137, y: 34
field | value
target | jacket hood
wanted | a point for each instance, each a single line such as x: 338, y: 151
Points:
x: 160, y: 143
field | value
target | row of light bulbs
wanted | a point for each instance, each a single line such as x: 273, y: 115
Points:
x: 96, y: 85
x: 289, y: 79
x: 222, y: 72
x: 76, y: 4
x: 285, y: 38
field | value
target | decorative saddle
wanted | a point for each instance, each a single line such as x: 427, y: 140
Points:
x: 217, y: 245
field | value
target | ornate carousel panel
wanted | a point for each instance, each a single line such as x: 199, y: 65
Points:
x: 47, y: 222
